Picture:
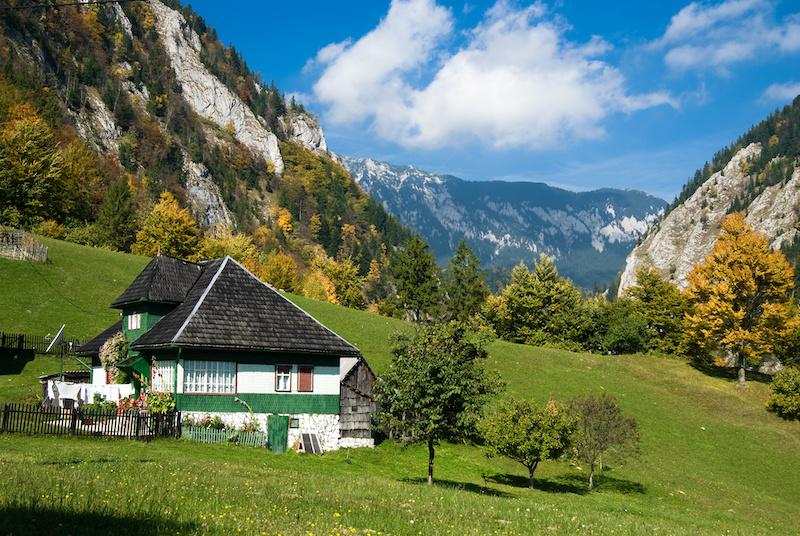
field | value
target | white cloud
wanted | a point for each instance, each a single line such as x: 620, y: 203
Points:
x: 717, y: 36
x: 517, y: 81
x: 782, y: 92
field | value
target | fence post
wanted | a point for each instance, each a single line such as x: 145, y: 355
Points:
x: 73, y: 426
x: 5, y: 418
x: 138, y: 423
x: 178, y: 425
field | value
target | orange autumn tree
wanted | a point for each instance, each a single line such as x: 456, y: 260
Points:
x: 740, y: 296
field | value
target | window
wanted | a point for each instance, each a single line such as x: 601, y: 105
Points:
x: 305, y: 378
x: 162, y: 376
x: 135, y: 321
x: 283, y: 377
x: 209, y: 377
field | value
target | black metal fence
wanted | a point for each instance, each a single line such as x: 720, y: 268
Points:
x: 37, y: 343
x: 33, y: 419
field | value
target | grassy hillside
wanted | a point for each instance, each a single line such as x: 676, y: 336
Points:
x: 712, y: 461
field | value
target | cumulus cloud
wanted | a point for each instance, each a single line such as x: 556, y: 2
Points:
x: 516, y: 80
x: 782, y: 92
x: 717, y: 36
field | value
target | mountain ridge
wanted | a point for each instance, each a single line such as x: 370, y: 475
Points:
x: 588, y: 233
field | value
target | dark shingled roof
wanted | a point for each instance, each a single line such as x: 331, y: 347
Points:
x: 93, y: 347
x: 164, y: 280
x: 228, y: 307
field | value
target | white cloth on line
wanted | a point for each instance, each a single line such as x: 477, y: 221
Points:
x: 69, y: 390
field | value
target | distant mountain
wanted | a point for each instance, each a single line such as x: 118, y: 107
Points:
x: 758, y: 174
x: 588, y: 233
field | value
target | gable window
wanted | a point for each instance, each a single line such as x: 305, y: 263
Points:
x: 135, y: 321
x: 212, y: 377
x: 162, y: 376
x: 305, y: 378
x: 283, y: 378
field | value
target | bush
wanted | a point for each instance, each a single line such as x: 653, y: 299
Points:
x: 785, y: 397
x: 50, y: 229
x: 627, y: 329
x: 86, y: 235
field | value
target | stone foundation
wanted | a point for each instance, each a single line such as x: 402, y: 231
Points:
x: 325, y: 426
x: 355, y: 443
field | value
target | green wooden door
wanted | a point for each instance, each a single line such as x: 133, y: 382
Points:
x: 278, y: 432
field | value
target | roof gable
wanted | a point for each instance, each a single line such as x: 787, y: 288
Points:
x: 164, y: 280
x: 93, y: 346
x: 229, y: 307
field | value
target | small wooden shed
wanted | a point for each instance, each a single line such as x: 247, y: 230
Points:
x: 356, y: 406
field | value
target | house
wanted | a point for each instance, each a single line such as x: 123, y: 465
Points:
x: 222, y: 341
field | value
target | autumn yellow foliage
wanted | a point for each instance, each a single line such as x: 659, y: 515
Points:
x: 740, y: 296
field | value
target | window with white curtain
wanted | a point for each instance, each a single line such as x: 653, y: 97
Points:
x: 283, y: 377
x: 209, y: 377
x: 162, y: 376
x: 135, y: 321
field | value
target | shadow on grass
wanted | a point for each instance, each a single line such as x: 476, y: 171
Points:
x: 90, y: 461
x: 729, y: 373
x: 466, y: 486
x: 570, y: 483
x: 26, y: 520
x: 13, y: 360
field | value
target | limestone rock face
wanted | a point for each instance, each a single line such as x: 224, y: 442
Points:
x: 305, y: 130
x: 96, y: 125
x: 205, y: 93
x: 205, y: 200
x: 688, y: 233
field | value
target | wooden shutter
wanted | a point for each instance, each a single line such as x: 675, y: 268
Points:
x: 305, y: 378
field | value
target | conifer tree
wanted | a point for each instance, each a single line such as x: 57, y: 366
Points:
x: 740, y: 296
x: 662, y: 305
x: 416, y: 279
x: 464, y: 285
x: 116, y: 220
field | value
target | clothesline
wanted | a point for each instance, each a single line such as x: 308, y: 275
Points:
x: 83, y: 393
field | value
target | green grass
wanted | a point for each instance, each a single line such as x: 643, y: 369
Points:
x: 713, y: 461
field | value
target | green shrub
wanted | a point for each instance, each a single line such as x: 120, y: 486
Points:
x: 85, y: 234
x: 785, y: 397
x: 50, y: 229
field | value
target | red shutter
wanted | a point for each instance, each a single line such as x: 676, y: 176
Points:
x: 305, y: 378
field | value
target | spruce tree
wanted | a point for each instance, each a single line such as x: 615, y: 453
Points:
x: 464, y: 285
x: 116, y: 220
x: 416, y: 280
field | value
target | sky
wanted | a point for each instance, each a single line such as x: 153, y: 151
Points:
x: 577, y: 94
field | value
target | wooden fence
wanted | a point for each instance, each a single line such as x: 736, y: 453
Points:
x: 19, y: 245
x: 210, y: 435
x: 37, y: 343
x: 33, y: 419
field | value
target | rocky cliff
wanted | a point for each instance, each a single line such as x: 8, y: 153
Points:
x: 588, y: 233
x: 758, y: 174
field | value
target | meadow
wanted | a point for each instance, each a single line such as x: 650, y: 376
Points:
x: 713, y: 460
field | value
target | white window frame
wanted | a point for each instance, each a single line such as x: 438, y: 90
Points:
x: 162, y: 376
x: 209, y: 377
x: 135, y: 321
x: 284, y: 375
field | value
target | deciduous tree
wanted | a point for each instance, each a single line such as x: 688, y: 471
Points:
x: 168, y: 228
x: 528, y: 433
x: 740, y: 296
x: 602, y: 428
x: 435, y: 388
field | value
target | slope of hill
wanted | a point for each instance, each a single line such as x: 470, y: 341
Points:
x: 758, y: 174
x: 147, y: 94
x: 712, y: 461
x: 588, y: 233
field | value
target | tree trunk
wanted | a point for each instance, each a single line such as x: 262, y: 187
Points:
x: 591, y: 476
x: 430, y: 462
x: 531, y: 469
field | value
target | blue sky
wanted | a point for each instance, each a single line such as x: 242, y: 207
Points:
x: 581, y: 95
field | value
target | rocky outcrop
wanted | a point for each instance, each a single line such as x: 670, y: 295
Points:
x: 205, y: 93
x: 688, y: 233
x: 304, y: 130
x: 588, y: 233
x: 95, y: 124
x: 205, y: 199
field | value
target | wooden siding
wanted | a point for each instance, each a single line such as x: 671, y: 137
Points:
x: 278, y: 403
x: 356, y: 404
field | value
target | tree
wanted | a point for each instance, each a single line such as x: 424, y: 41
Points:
x: 116, y: 221
x: 625, y: 328
x: 169, y: 229
x: 416, y: 278
x: 528, y: 434
x: 435, y: 388
x: 464, y: 286
x: 740, y: 296
x: 279, y: 270
x: 348, y: 284
x: 784, y: 398
x: 602, y: 428
x: 224, y: 242
x: 540, y: 307
x: 662, y: 305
